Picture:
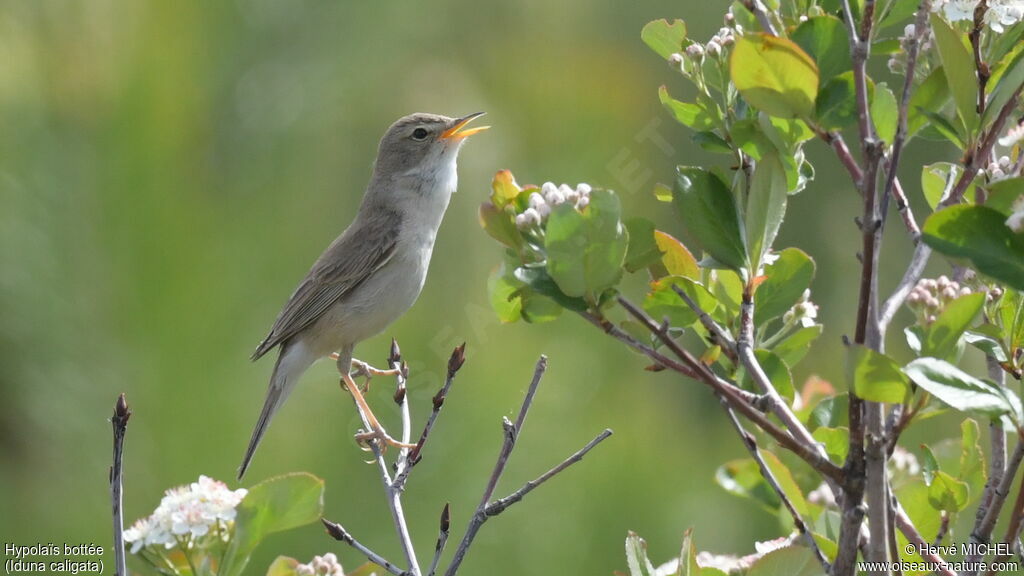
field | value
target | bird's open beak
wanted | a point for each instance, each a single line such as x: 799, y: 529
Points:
x: 456, y: 132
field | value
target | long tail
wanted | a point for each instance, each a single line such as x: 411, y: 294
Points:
x: 287, y: 370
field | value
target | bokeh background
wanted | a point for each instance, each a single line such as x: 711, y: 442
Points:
x: 168, y: 172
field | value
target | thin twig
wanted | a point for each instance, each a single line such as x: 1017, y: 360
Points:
x: 906, y: 526
x: 455, y: 361
x: 119, y: 421
x: 498, y: 506
x: 340, y: 534
x: 983, y: 531
x: 719, y: 334
x: 751, y: 445
x: 442, y: 538
x: 757, y: 8
x: 997, y: 463
x: 401, y: 398
x: 511, y: 434
x: 810, y: 453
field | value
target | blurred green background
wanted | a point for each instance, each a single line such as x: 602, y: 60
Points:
x: 169, y: 171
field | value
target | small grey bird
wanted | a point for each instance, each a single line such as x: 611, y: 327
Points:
x: 371, y: 274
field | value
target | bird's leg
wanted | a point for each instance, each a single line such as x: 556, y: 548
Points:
x: 360, y: 368
x: 377, y: 431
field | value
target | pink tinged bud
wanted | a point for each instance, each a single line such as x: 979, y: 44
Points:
x: 694, y: 50
x: 714, y: 49
x: 535, y: 200
x: 675, y: 60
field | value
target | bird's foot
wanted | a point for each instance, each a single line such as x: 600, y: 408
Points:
x: 382, y: 438
x: 360, y: 368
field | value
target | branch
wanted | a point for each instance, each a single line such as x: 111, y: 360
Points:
x: 401, y: 398
x: 442, y: 538
x: 498, y: 506
x: 719, y: 334
x: 982, y: 532
x: 340, y: 534
x: 997, y: 464
x: 119, y: 421
x: 751, y: 445
x: 908, y: 529
x: 455, y: 362
x: 810, y: 453
x: 511, y: 434
x: 758, y: 10
x: 488, y: 508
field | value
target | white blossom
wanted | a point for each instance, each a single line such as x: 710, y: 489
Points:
x: 326, y: 565
x: 803, y: 312
x: 1016, y: 219
x: 1013, y: 136
x: 1003, y: 13
x: 956, y: 10
x: 190, y: 511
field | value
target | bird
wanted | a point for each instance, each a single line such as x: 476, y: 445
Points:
x: 372, y: 273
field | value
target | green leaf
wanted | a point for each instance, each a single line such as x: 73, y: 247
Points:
x: 743, y: 478
x: 504, y: 189
x: 789, y: 561
x: 830, y: 412
x: 930, y: 465
x: 643, y: 250
x: 663, y: 301
x: 942, y: 336
x: 504, y: 294
x: 836, y: 442
x: 367, y: 569
x: 766, y: 207
x: 898, y: 12
x: 539, y: 281
x: 282, y: 566
x: 708, y: 210
x: 979, y: 234
x: 931, y: 95
x: 1002, y: 194
x: 972, y: 462
x: 693, y: 116
x: 774, y: 75
x: 712, y: 142
x: 664, y: 37
x: 948, y: 493
x: 636, y: 556
x: 796, y: 345
x: 688, y: 557
x: 777, y: 372
x: 876, y: 377
x: 933, y: 181
x: 274, y: 505
x: 945, y: 128
x: 884, y: 113
x: 956, y: 388
x: 586, y: 250
x: 538, y: 309
x: 825, y: 39
x: 1010, y: 78
x: 836, y: 106
x: 960, y: 73
x: 786, y: 281
x: 676, y: 258
x: 748, y: 135
x: 500, y: 225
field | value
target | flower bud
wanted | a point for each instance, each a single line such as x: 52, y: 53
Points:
x: 695, y: 51
x: 714, y: 49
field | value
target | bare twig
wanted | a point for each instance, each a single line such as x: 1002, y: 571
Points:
x: 511, y: 434
x: 442, y: 537
x: 487, y: 508
x: 119, y: 421
x: 340, y: 534
x: 498, y: 506
x: 401, y: 398
x: 757, y: 8
x: 455, y: 361
x: 751, y: 445
x: 997, y: 463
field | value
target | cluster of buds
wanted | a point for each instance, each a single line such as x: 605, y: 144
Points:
x: 187, y: 513
x: 898, y: 61
x: 540, y: 203
x: 999, y: 170
x: 803, y: 312
x: 725, y: 37
x: 931, y: 295
x: 1016, y: 219
x: 326, y: 565
x: 998, y: 15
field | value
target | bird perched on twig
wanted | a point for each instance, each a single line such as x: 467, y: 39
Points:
x: 371, y: 274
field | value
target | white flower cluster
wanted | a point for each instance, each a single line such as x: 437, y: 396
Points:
x: 1013, y: 136
x: 326, y: 565
x: 725, y: 37
x: 540, y: 203
x: 930, y: 296
x: 187, y: 511
x: 804, y: 311
x: 1016, y: 219
x: 999, y: 169
x: 998, y: 13
x: 898, y: 61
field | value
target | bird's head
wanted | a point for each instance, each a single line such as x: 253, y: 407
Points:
x: 423, y: 146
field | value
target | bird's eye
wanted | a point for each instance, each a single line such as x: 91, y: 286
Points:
x: 419, y: 134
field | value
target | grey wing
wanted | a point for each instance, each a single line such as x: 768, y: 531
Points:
x: 361, y: 250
